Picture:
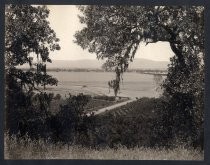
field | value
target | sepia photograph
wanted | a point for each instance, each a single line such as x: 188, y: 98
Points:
x: 104, y: 82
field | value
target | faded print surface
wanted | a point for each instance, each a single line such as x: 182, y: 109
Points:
x: 106, y: 82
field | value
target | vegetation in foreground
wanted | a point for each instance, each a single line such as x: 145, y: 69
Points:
x: 180, y: 110
x: 40, y: 149
x: 72, y: 127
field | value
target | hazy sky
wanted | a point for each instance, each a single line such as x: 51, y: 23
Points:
x: 63, y: 19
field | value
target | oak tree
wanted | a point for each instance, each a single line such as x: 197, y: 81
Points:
x: 28, y: 41
x: 115, y: 32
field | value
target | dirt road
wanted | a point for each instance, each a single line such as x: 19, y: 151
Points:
x: 99, y: 111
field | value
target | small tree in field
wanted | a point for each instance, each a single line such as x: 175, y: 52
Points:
x: 115, y: 84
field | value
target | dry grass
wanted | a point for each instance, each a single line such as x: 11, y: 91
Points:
x: 27, y: 149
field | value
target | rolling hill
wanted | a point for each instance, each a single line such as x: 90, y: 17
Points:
x: 95, y: 64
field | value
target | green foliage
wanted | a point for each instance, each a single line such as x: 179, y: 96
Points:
x: 104, y: 97
x: 184, y: 102
x: 28, y: 37
x: 34, y: 118
x: 69, y: 123
x: 28, y: 114
x: 140, y: 123
x: 28, y: 31
x: 114, y: 33
x: 28, y: 40
x: 128, y: 125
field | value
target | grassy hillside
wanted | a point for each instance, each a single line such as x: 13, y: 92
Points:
x: 133, y: 131
x: 144, y: 107
x: 28, y: 149
x: 130, y: 125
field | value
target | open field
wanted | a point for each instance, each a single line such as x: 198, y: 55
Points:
x: 28, y: 149
x: 96, y: 83
x: 95, y: 103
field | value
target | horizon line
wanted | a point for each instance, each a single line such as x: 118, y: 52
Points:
x: 104, y: 60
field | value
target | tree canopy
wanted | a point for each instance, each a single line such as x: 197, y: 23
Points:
x: 28, y: 40
x: 114, y: 34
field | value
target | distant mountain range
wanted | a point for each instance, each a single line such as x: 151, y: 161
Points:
x: 91, y: 64
x: 139, y: 63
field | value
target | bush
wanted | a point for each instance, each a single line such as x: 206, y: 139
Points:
x: 176, y: 124
x: 184, y: 98
x: 30, y: 116
x: 146, y: 122
x: 134, y: 128
x: 57, y: 97
x: 68, y: 122
x: 104, y: 97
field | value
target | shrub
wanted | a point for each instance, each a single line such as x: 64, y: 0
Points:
x: 104, y: 97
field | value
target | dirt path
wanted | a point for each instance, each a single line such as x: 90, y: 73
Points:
x: 99, y: 111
